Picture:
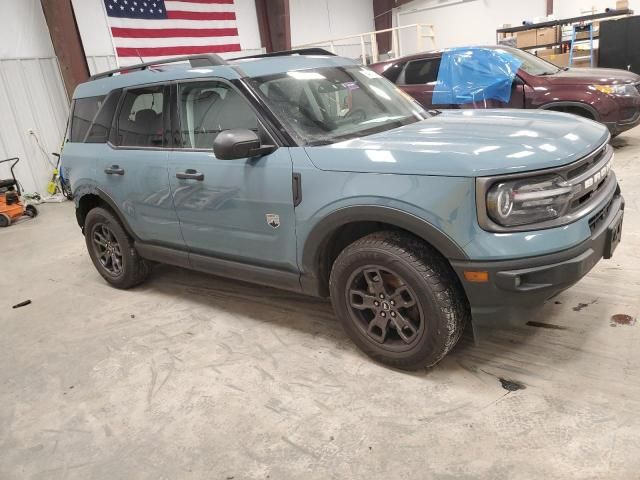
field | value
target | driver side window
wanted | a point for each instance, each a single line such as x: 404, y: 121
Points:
x: 210, y: 107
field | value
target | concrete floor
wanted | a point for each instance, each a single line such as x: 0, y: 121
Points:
x: 191, y: 376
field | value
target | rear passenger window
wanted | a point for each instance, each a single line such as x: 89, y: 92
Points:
x: 84, y: 112
x: 208, y: 108
x: 141, y: 120
x: 422, y: 71
x: 101, y: 126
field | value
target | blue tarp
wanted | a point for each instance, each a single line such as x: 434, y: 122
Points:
x: 475, y: 74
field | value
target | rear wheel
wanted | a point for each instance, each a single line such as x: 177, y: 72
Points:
x: 5, y: 220
x: 112, y: 251
x: 398, y: 300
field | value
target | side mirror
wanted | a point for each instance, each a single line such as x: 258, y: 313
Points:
x: 517, y: 81
x: 239, y: 143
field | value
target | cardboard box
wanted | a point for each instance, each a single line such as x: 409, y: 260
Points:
x: 562, y: 59
x: 526, y: 38
x: 544, y: 52
x: 622, y: 4
x: 559, y: 59
x: 545, y: 36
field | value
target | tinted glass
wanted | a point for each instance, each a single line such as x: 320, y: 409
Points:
x: 99, y: 131
x: 208, y: 108
x: 141, y: 121
x: 422, y: 71
x: 84, y: 111
x: 393, y: 72
x: 325, y: 105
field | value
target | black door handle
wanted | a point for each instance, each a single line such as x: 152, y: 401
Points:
x: 114, y: 170
x: 190, y: 174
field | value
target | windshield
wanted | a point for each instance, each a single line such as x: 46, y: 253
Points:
x: 530, y: 63
x: 326, y: 105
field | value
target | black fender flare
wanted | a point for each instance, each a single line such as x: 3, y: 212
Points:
x: 104, y: 197
x: 325, y: 228
x: 561, y: 104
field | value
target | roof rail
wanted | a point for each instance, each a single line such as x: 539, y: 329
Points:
x: 207, y: 60
x: 284, y: 53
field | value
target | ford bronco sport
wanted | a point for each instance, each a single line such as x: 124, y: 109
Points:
x: 306, y: 171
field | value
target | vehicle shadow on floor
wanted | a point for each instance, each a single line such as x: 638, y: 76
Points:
x: 511, y: 351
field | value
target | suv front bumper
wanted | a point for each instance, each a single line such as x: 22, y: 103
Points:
x: 518, y: 285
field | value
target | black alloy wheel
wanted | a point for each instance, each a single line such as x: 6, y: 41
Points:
x: 107, y: 249
x: 384, y: 307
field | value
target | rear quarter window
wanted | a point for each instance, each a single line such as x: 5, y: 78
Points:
x: 422, y: 71
x: 92, y: 118
x: 84, y: 112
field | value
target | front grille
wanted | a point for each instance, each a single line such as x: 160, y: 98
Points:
x: 586, y: 164
x: 598, y: 218
x: 588, y: 176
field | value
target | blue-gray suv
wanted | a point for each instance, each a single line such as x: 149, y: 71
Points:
x: 308, y: 172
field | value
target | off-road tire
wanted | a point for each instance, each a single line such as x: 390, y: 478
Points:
x: 135, y: 269
x: 439, y: 293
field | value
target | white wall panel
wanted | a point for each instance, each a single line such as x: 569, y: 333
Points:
x: 465, y: 23
x: 318, y: 20
x: 23, y: 30
x: 32, y: 97
x: 32, y: 94
x: 101, y: 63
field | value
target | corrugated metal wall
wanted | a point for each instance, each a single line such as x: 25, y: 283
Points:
x: 101, y: 63
x: 32, y: 98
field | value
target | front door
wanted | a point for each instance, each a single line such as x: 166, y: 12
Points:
x: 239, y: 210
x: 133, y: 167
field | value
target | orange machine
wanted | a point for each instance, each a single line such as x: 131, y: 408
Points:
x: 11, y: 206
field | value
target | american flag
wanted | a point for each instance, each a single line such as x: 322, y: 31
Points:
x: 150, y: 29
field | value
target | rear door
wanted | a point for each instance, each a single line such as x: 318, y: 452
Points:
x: 132, y: 171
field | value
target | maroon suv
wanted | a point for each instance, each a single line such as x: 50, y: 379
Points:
x: 609, y: 96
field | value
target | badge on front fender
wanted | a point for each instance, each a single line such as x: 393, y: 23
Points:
x: 273, y: 220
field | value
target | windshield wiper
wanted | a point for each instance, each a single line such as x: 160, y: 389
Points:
x: 434, y: 111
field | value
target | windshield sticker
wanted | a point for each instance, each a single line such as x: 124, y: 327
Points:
x: 351, y: 85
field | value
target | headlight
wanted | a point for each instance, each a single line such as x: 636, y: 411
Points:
x: 520, y: 202
x: 627, y: 89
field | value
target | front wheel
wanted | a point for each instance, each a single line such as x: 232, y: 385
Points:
x: 112, y: 251
x: 398, y: 300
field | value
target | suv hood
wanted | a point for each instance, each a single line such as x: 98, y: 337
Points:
x: 468, y: 143
x: 601, y: 76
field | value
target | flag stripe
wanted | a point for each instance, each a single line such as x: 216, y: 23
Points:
x: 172, y: 5
x: 150, y: 24
x: 218, y: 2
x: 184, y: 50
x: 173, y: 32
x: 184, y: 15
x: 173, y: 42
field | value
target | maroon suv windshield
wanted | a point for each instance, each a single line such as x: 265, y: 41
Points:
x: 530, y: 63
